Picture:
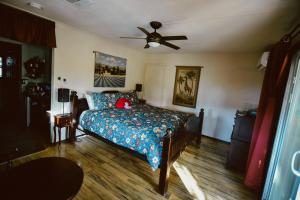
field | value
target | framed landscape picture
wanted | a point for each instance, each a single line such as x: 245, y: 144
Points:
x: 110, y: 71
x: 186, y: 86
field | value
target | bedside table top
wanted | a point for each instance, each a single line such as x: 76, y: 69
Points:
x: 63, y: 115
x: 62, y: 120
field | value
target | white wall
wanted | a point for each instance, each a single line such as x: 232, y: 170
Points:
x: 228, y: 82
x: 74, y: 59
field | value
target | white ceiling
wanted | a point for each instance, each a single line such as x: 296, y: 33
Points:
x: 210, y: 25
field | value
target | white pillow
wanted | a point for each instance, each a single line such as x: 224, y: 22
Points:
x: 89, y: 98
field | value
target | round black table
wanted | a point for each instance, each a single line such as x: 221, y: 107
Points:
x: 54, y: 178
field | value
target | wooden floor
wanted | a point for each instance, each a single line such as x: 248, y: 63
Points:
x: 113, y: 174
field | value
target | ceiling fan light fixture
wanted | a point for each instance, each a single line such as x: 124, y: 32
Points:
x: 155, y: 39
x: 154, y: 44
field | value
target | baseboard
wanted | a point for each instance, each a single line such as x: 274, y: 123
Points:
x: 216, y: 139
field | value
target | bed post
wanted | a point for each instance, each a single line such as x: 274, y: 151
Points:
x: 201, y: 117
x: 165, y: 164
x: 74, y: 110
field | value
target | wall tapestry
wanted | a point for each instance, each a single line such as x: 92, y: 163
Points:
x: 110, y: 71
x: 186, y: 86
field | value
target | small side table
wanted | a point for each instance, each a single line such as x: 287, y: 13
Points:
x: 61, y: 121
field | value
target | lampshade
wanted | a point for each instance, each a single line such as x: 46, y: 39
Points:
x: 153, y: 44
x: 138, y: 87
x: 63, y: 95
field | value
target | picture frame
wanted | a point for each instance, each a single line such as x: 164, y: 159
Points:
x: 186, y: 85
x: 110, y: 71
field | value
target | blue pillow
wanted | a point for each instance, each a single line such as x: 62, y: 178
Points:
x: 132, y: 96
x: 104, y: 101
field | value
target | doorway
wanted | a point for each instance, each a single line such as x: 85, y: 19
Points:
x: 283, y: 177
x: 25, y: 73
x: 10, y: 84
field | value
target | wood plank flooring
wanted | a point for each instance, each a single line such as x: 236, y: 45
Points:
x: 113, y: 174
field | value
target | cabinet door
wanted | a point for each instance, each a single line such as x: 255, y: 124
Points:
x: 10, y: 81
x: 243, y: 128
x: 238, y: 155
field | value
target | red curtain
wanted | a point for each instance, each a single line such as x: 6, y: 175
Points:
x: 268, y: 112
x: 25, y: 27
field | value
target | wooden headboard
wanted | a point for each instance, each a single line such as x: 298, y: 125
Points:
x: 110, y: 91
x: 78, y: 105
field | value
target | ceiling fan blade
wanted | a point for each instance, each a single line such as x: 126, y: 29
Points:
x: 169, y: 45
x: 132, y: 38
x: 179, y: 37
x: 146, y: 46
x: 144, y: 30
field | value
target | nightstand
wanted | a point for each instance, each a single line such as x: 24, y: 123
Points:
x: 142, y: 101
x: 62, y: 121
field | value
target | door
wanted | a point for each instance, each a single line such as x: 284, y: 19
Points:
x: 10, y: 82
x: 295, y: 168
x: 154, y: 84
x: 282, y: 182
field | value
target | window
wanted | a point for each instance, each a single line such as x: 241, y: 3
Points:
x: 9, y: 65
x: 10, y: 61
x: 0, y: 67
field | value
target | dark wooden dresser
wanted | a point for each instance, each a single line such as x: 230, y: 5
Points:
x: 240, y: 140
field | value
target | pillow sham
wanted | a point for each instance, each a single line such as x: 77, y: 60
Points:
x: 132, y: 96
x: 89, y: 99
x: 105, y: 100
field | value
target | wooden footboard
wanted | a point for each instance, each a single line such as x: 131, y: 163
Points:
x: 174, y: 143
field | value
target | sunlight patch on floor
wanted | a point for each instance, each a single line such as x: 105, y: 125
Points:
x: 189, y: 181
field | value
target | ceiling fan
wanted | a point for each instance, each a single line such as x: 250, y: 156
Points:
x: 154, y: 39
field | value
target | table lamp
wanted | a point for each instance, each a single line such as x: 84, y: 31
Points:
x: 138, y: 88
x: 63, y: 96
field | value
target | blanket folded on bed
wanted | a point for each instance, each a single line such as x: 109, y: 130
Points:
x: 140, y: 129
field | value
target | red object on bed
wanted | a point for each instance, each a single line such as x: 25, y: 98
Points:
x: 123, y: 103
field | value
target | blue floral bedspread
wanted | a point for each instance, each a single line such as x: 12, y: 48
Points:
x: 140, y: 129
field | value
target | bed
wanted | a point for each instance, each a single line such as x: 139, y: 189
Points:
x: 153, y: 134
